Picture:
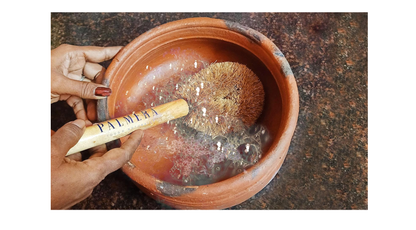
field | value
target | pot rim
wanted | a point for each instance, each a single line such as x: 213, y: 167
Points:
x: 279, y: 147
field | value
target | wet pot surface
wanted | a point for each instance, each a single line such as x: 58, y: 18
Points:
x: 142, y: 88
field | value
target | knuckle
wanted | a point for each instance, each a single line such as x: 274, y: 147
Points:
x: 74, y: 101
x: 83, y: 89
x: 86, y: 89
x: 107, y: 54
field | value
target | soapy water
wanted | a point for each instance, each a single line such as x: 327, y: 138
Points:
x: 203, y: 159
x: 199, y: 157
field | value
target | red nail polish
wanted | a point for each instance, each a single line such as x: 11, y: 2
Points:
x: 102, y: 91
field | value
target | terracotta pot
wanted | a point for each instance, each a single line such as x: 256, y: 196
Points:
x: 131, y: 76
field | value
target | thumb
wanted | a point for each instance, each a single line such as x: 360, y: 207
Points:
x: 84, y: 89
x: 65, y: 138
x: 115, y: 158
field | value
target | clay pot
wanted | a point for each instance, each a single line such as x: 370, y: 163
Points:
x: 147, y: 62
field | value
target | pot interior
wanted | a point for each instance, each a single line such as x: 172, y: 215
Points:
x: 172, y: 152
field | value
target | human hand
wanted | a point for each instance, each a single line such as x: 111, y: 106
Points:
x: 68, y: 66
x: 73, y: 181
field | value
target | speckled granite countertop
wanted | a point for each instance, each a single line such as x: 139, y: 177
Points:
x: 326, y: 166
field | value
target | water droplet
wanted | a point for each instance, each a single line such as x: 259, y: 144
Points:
x: 177, y: 86
x: 195, y: 64
x: 247, y: 148
x: 153, y: 88
x: 197, y: 91
x: 127, y: 92
x: 216, y: 119
x: 154, y: 76
x: 170, y: 66
x: 148, y: 147
x: 160, y: 97
x: 218, y: 146
x: 204, y: 110
x: 147, y: 67
x: 202, y: 85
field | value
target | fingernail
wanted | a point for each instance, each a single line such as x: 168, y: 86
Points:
x: 80, y: 123
x: 102, y: 91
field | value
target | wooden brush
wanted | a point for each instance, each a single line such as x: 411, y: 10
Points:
x: 113, y: 129
x: 223, y: 97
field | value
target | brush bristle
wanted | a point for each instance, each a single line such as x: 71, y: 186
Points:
x: 223, y: 97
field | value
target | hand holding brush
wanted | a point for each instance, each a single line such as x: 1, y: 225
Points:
x: 73, y: 180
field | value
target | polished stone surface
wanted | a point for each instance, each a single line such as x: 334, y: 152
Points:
x: 327, y: 162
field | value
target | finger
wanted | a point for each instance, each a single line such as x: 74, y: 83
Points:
x: 115, y: 158
x: 100, y: 76
x: 64, y: 139
x: 92, y: 70
x: 82, y: 89
x: 97, y: 151
x: 88, y: 123
x: 92, y: 110
x: 78, y: 107
x: 99, y: 54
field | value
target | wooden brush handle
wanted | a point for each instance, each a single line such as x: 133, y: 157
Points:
x: 110, y: 130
